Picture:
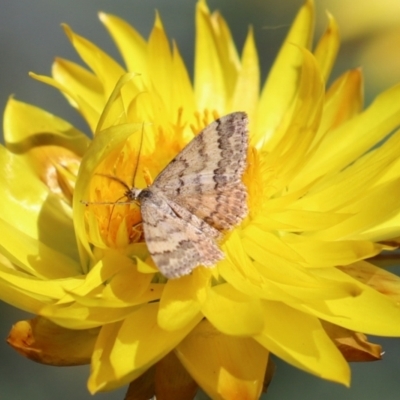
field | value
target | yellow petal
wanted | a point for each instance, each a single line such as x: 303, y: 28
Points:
x: 88, y: 111
x: 14, y: 170
x: 232, y: 312
x: 267, y: 250
x: 245, y: 96
x: 104, y: 67
x: 82, y: 83
x: 351, y: 140
x: 115, y: 109
x: 159, y: 65
x: 178, y: 305
x: 281, y: 85
x: 293, y: 220
x: 319, y: 254
x: 307, y: 347
x: 101, y: 370
x: 130, y: 43
x: 378, y: 205
x: 225, y: 367
x: 343, y: 100
x: 294, y: 139
x: 43, y: 291
x: 34, y: 256
x: 139, y: 343
x: 327, y: 48
x: 27, y: 126
x: 73, y: 315
x: 267, y: 281
x: 370, y: 312
x: 104, y: 143
x: 357, y: 180
x: 228, y: 56
x: 44, y: 342
x: 210, y: 82
x: 183, y: 95
x: 33, y: 211
x: 115, y: 282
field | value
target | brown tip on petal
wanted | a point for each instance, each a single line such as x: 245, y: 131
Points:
x: 354, y: 346
x: 45, y: 342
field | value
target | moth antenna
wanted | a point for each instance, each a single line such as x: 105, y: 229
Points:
x: 115, y: 178
x: 114, y: 203
x: 119, y: 180
x: 138, y: 157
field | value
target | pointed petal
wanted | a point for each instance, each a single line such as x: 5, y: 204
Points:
x: 159, y: 65
x: 130, y: 43
x: 87, y: 111
x: 343, y: 101
x: 216, y: 61
x: 327, y: 48
x: 85, y: 86
x: 293, y: 142
x: 307, y: 347
x: 366, y: 214
x: 221, y: 364
x: 281, y: 85
x: 104, y: 67
x: 351, y: 140
x: 183, y: 94
x: 139, y: 343
x: 245, y: 96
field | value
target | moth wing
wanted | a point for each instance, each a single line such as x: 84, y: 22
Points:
x: 218, y: 153
x: 175, y: 245
x: 222, y: 208
x: 206, y: 175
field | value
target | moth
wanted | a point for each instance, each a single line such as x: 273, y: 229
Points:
x: 198, y: 196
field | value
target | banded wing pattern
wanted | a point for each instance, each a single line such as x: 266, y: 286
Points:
x: 199, y: 194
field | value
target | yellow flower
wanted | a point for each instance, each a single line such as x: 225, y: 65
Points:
x: 295, y: 281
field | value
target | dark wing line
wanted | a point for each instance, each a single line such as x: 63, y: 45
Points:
x: 216, y: 156
x: 176, y: 246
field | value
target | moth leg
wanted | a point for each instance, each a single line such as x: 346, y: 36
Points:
x: 136, y: 234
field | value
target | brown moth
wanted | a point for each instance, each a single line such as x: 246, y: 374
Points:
x: 196, y: 197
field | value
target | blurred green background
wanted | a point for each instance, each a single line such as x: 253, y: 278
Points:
x: 30, y: 38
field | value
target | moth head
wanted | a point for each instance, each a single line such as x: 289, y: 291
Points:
x: 133, y: 194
